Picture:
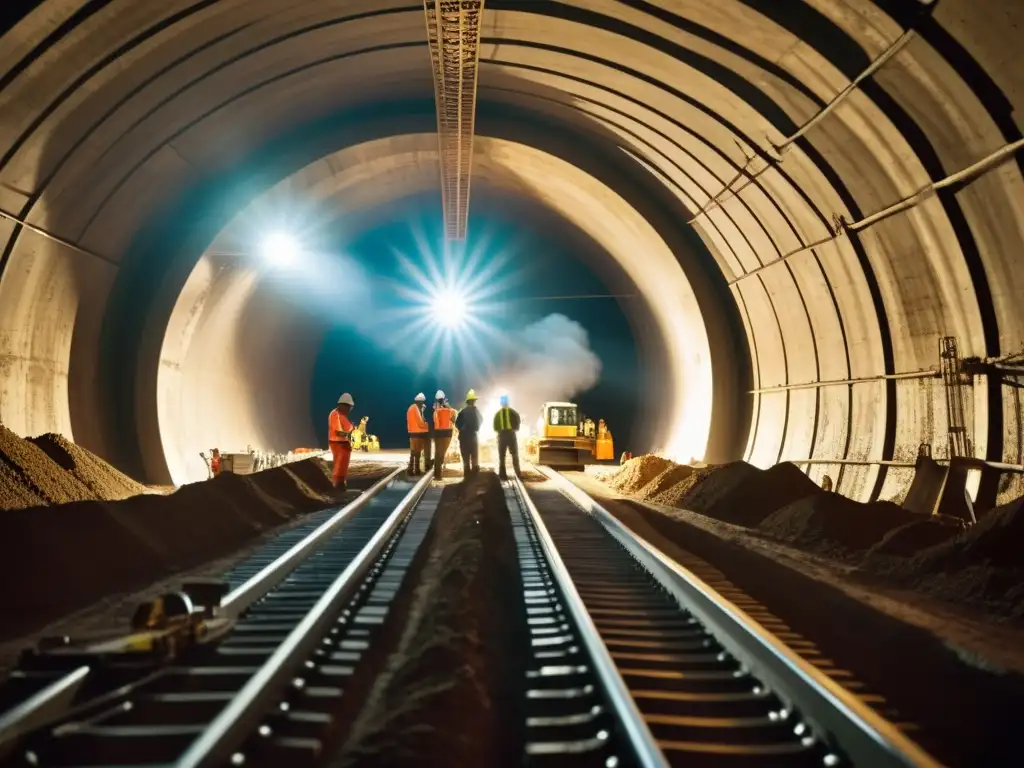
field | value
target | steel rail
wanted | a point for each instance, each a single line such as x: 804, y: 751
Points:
x: 53, y: 701
x: 39, y: 709
x: 241, y: 716
x: 641, y: 739
x: 239, y: 599
x: 838, y: 716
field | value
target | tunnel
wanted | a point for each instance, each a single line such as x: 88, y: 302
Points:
x: 812, y: 201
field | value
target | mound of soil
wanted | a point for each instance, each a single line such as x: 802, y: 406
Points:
x: 666, y: 481
x: 104, y: 481
x: 58, y: 559
x: 996, y: 541
x: 911, y: 538
x: 980, y: 566
x: 638, y: 472
x: 450, y: 691
x: 741, y: 494
x: 37, y: 472
x: 826, y: 520
x: 706, y: 486
x: 15, y: 493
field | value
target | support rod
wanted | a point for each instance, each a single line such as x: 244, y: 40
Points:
x: 56, y: 238
x: 962, y: 177
x: 780, y: 149
x: 453, y: 36
x: 840, y: 382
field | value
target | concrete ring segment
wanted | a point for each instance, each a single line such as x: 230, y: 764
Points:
x: 750, y: 145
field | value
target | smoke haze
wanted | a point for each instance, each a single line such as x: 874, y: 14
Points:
x: 546, y: 361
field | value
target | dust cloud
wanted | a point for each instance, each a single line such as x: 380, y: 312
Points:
x: 546, y: 361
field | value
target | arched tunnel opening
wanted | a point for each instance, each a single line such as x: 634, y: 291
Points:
x: 776, y: 246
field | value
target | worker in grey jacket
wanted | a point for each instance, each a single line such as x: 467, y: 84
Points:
x: 468, y: 422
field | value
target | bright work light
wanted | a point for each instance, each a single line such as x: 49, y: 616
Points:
x: 279, y: 249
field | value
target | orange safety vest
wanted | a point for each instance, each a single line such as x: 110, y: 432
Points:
x: 415, y: 422
x: 444, y: 418
x: 338, y: 423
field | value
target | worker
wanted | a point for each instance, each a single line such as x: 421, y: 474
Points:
x: 428, y: 438
x: 417, y: 425
x: 339, y: 435
x: 468, y: 422
x: 506, y: 425
x: 215, y: 463
x: 444, y: 420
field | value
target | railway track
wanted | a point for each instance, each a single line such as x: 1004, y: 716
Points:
x: 638, y: 662
x: 301, y: 616
x: 632, y: 660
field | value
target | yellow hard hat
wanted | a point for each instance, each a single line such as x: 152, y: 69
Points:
x: 471, y: 395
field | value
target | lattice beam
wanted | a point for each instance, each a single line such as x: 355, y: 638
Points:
x: 453, y: 32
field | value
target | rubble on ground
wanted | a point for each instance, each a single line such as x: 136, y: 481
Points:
x: 669, y: 478
x: 826, y: 521
x: 638, y: 472
x: 33, y: 470
x: 104, y: 481
x: 61, y: 558
x: 979, y: 565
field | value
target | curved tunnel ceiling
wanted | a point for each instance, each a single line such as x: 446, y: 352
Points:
x: 117, y: 118
x: 357, y: 181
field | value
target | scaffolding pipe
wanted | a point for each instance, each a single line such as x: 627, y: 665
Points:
x: 820, y: 115
x: 973, y: 463
x: 841, y: 382
x: 964, y: 176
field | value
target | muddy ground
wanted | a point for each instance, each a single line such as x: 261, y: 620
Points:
x: 958, y: 682
x: 450, y: 691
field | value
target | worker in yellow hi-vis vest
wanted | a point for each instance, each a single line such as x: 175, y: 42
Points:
x: 506, y: 425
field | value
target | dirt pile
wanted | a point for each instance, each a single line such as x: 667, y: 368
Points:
x: 706, y: 486
x: 15, y: 493
x: 665, y: 482
x: 36, y: 472
x: 58, y: 559
x: 450, y: 691
x: 913, y: 537
x: 104, y: 481
x: 638, y: 472
x: 741, y: 494
x: 828, y: 521
x: 981, y: 565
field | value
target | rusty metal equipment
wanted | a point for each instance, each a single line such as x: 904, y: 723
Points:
x: 453, y: 36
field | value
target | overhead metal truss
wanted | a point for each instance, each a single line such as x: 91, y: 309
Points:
x: 453, y: 33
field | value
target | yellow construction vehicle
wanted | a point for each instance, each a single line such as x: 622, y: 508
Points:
x: 362, y: 441
x: 560, y: 443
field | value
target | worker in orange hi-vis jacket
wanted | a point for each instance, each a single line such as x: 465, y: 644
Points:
x: 339, y: 434
x: 416, y: 423
x: 444, y: 420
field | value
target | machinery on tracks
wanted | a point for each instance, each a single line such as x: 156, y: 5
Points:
x: 567, y: 441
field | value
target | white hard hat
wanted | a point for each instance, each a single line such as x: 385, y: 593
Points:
x: 421, y: 398
x: 439, y: 395
x: 346, y: 399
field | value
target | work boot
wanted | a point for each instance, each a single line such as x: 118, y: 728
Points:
x: 411, y: 471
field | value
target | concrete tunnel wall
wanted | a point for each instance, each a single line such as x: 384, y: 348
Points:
x: 359, y: 180
x: 94, y: 146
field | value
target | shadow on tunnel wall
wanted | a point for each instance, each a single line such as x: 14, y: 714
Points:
x: 166, y: 248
